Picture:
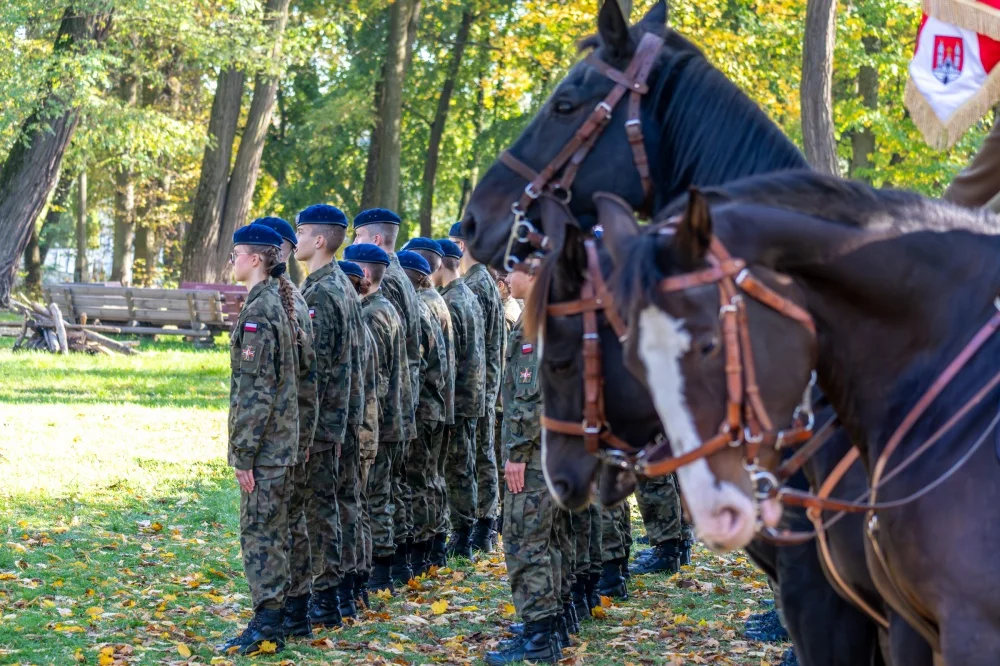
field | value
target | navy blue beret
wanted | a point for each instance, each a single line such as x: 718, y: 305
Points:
x: 414, y: 262
x: 375, y: 216
x: 421, y: 243
x: 456, y: 231
x: 282, y: 227
x: 322, y: 214
x: 256, y: 234
x: 366, y: 253
x: 351, y: 268
x: 449, y: 249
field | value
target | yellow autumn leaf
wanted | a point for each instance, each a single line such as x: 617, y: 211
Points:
x: 183, y: 650
x: 79, y: 656
x: 385, y: 595
x: 8, y: 576
x: 439, y: 607
x: 68, y: 628
x: 606, y: 602
x: 108, y: 651
x: 267, y: 647
x: 598, y: 612
x: 169, y: 597
x: 105, y: 659
x: 94, y: 611
x: 509, y: 610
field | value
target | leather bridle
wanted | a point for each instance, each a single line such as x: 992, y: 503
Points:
x: 557, y: 177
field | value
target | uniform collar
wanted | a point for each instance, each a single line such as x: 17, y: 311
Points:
x: 258, y: 288
x: 322, y: 272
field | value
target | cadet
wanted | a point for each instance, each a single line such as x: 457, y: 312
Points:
x: 379, y: 226
x: 368, y: 435
x: 335, y: 313
x: 432, y: 413
x: 470, y: 398
x: 616, y: 543
x: 263, y: 427
x: 432, y: 254
x: 295, y: 622
x: 534, y: 566
x: 511, y: 313
x: 671, y: 539
x: 386, y: 478
x: 478, y: 279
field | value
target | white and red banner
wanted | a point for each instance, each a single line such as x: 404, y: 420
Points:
x: 954, y: 77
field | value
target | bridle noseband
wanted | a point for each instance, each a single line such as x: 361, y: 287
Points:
x: 572, y: 155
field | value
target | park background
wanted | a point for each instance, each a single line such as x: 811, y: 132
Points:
x: 118, y: 515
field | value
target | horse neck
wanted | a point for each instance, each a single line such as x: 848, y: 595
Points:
x: 708, y: 132
x: 890, y: 314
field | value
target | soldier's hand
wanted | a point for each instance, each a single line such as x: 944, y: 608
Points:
x: 514, y: 474
x: 244, y: 477
x: 307, y: 454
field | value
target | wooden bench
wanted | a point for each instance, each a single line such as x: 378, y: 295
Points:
x: 195, y: 312
x: 233, y: 297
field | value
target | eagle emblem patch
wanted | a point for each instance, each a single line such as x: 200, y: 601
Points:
x: 525, y: 376
x: 248, y: 353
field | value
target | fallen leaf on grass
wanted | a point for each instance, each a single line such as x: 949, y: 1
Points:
x: 509, y: 610
x: 599, y: 613
x: 183, y: 650
x: 606, y: 602
x: 439, y: 607
x: 266, y: 647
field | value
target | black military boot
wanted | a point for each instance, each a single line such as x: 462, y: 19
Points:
x: 593, y: 598
x: 765, y: 627
x: 400, y: 571
x: 580, y: 598
x: 361, y: 589
x: 623, y: 565
x: 561, y: 631
x: 460, y: 544
x: 381, y: 577
x: 264, y: 626
x: 325, y: 608
x: 419, y: 561
x: 666, y: 558
x: 439, y: 550
x: 481, y: 540
x: 348, y: 607
x: 685, y: 555
x: 612, y: 583
x: 572, y: 623
x: 295, y: 617
x: 789, y: 658
x: 537, y: 644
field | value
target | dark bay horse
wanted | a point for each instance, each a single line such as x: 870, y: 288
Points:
x: 891, y: 310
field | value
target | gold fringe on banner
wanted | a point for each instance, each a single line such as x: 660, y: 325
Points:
x: 969, y: 14
x: 943, y: 136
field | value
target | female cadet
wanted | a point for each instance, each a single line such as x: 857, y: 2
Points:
x: 263, y: 427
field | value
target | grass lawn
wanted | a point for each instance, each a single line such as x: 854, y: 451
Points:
x: 119, y: 541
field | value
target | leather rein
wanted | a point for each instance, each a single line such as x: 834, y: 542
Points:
x: 557, y: 177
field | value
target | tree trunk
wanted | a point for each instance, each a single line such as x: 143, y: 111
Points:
x: 203, y: 234
x: 403, y: 19
x: 35, y: 252
x: 124, y: 222
x: 370, y: 186
x: 437, y: 127
x: 469, y: 182
x: 816, y: 97
x: 863, y: 139
x: 32, y: 165
x: 80, y: 268
x: 33, y: 262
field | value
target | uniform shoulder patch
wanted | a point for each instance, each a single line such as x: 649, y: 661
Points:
x: 524, y: 377
x: 312, y: 313
x: 527, y: 348
x: 250, y: 326
x: 249, y: 352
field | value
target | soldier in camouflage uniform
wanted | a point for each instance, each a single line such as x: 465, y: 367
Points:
x: 432, y: 413
x: 368, y: 435
x: 380, y: 227
x: 335, y: 312
x: 384, y: 488
x: 470, y: 399
x: 511, y: 313
x: 263, y: 427
x: 669, y: 537
x: 432, y: 254
x: 531, y: 532
x: 585, y: 526
x: 616, y: 540
x: 479, y: 280
x: 295, y: 621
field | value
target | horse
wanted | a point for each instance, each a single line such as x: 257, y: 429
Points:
x: 884, y: 313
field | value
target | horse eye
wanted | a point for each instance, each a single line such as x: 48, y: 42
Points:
x: 563, y: 107
x: 709, y: 345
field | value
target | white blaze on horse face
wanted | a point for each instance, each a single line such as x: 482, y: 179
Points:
x: 723, y: 516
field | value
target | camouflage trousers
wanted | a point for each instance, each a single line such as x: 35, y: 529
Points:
x: 439, y: 488
x: 348, y: 500
x: 402, y: 496
x: 363, y: 550
x: 299, y: 553
x: 323, y: 518
x: 530, y: 542
x: 583, y: 525
x: 616, y: 532
x: 460, y: 472
x: 660, y: 507
x: 487, y: 476
x: 421, y: 476
x: 596, y: 539
x: 501, y: 457
x: 380, y: 505
x: 264, y: 536
x: 565, y: 543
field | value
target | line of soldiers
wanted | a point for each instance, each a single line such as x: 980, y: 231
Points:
x: 364, y: 435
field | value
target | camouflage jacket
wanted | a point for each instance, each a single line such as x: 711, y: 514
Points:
x: 263, y: 389
x: 483, y: 286
x: 439, y: 310
x: 521, y: 433
x: 387, y: 330
x: 368, y: 431
x: 356, y: 408
x: 470, y: 350
x: 308, y: 377
x: 399, y: 290
x: 335, y: 351
x: 511, y: 313
x: 433, y: 367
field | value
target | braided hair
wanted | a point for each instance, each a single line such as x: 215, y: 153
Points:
x: 277, y: 269
x: 361, y: 285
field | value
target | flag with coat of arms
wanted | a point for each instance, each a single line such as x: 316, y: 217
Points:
x: 954, y: 78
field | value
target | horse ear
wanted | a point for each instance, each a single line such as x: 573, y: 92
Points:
x: 655, y: 19
x: 618, y: 221
x: 612, y: 26
x: 694, y: 232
